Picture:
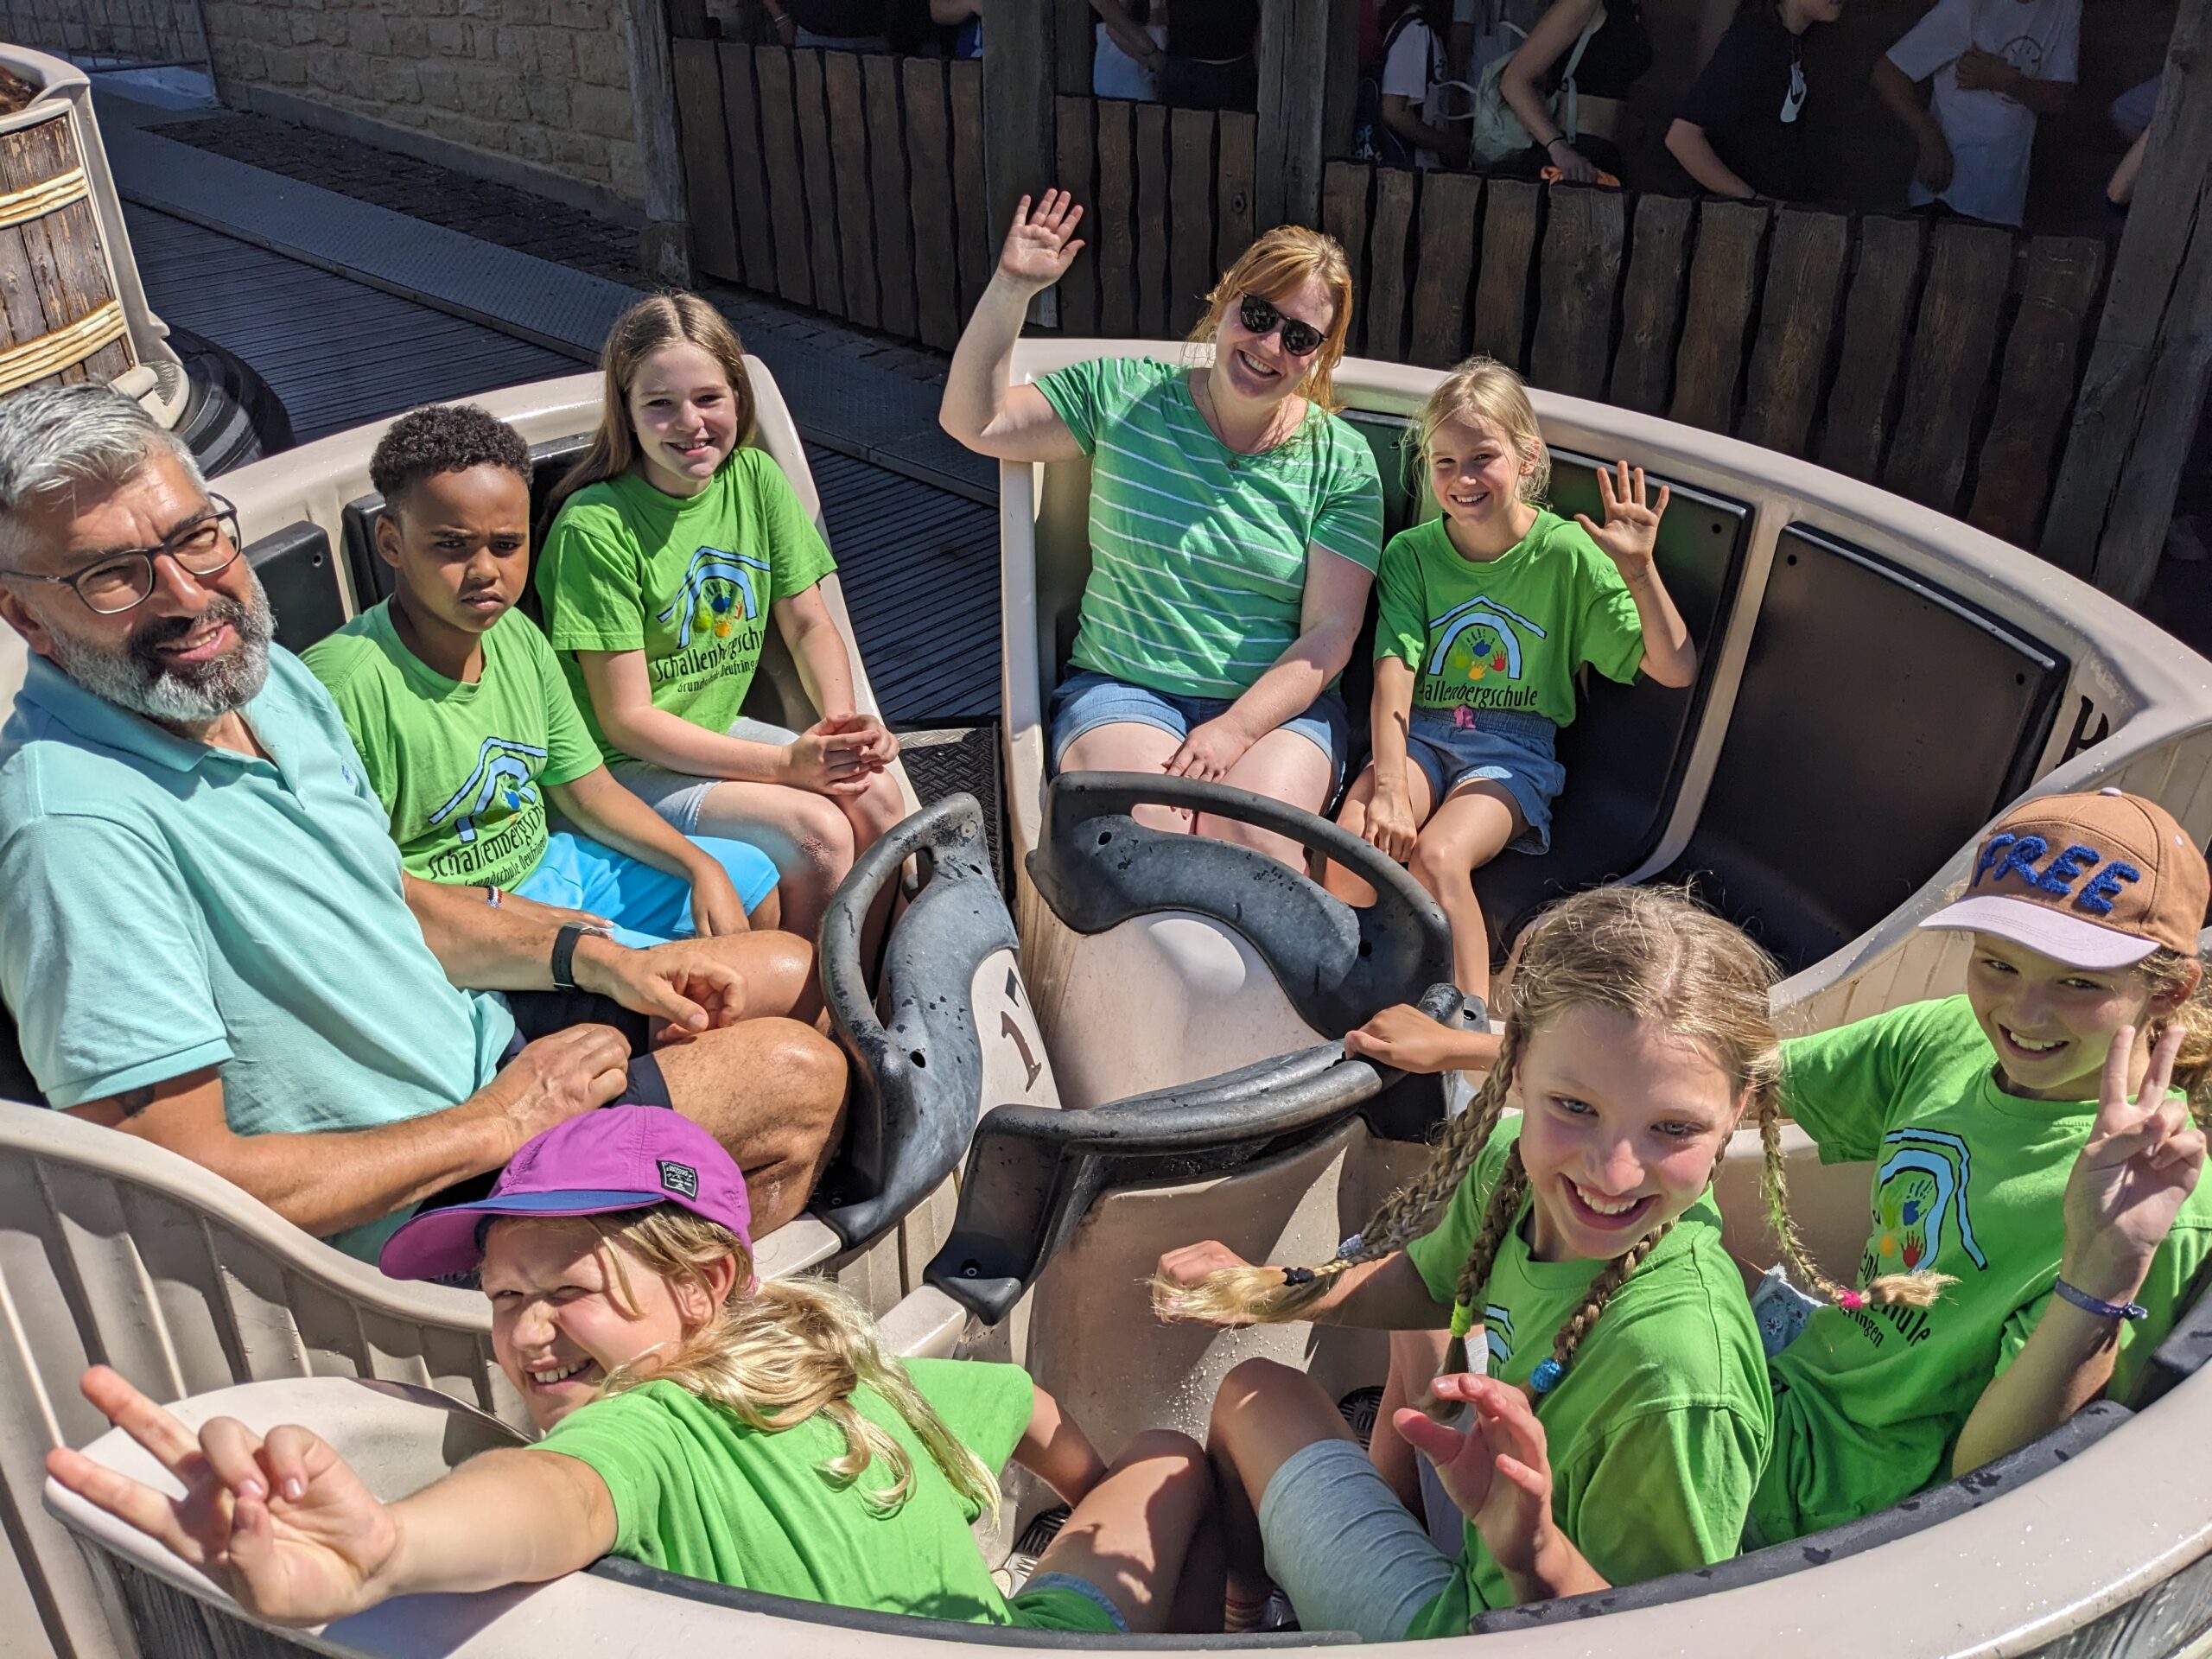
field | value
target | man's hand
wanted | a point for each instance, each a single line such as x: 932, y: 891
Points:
x: 686, y: 983
x: 556, y: 1077
x: 282, y: 1523
x: 716, y: 910
x: 1984, y: 72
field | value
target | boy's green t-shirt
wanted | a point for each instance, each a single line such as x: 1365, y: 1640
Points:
x: 1968, y: 1181
x: 689, y: 582
x: 1511, y: 632
x: 1657, y: 1432
x: 462, y: 769
x: 698, y: 1492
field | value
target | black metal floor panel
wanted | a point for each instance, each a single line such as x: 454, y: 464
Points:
x: 339, y: 352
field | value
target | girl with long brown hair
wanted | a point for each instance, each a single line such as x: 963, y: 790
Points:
x: 676, y: 544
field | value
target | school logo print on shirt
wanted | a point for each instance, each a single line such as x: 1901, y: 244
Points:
x: 1497, y: 1334
x: 492, y: 811
x: 1480, y: 639
x: 716, y: 583
x: 1921, y: 1220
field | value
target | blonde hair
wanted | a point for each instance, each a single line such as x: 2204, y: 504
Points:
x: 1274, y: 268
x: 2169, y: 971
x: 778, y: 1353
x: 658, y: 322
x: 1484, y: 389
x: 1652, y: 954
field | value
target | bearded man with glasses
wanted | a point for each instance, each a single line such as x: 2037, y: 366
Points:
x: 208, y: 941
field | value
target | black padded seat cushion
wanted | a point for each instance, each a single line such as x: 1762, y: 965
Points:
x: 300, y: 573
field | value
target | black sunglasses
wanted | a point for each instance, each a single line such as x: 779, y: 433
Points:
x: 1298, y: 339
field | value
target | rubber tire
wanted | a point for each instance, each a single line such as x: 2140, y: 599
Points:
x: 231, y: 416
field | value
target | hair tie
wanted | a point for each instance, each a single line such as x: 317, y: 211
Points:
x: 1351, y: 1247
x: 1298, y: 1275
x: 1854, y: 1300
x: 1545, y: 1376
x: 1463, y: 1321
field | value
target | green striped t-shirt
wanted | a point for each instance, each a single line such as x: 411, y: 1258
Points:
x: 1197, y: 554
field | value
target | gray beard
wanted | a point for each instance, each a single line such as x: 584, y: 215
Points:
x: 139, y: 679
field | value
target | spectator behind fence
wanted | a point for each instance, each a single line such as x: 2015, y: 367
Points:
x: 1741, y: 130
x: 1569, y: 83
x: 965, y: 21
x: 1414, y: 67
x: 1213, y: 54
x: 1991, y: 67
x: 1131, y: 50
x: 840, y: 25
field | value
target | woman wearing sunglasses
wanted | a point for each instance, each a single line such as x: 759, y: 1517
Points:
x: 1235, y: 520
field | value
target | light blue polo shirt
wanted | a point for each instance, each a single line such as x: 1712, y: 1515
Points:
x: 169, y: 905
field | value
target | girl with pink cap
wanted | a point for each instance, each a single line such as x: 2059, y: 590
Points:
x: 752, y: 1434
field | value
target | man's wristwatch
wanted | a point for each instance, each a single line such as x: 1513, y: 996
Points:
x: 564, y: 952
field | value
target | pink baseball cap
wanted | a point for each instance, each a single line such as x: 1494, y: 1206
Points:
x: 617, y: 1157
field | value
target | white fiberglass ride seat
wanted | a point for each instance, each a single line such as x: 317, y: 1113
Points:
x: 114, y: 1250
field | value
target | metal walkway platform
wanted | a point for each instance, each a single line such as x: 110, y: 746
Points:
x: 919, y: 564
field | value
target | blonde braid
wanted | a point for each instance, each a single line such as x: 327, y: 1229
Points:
x: 1910, y: 1289
x: 2169, y: 970
x: 1579, y: 1324
x: 1265, y: 1295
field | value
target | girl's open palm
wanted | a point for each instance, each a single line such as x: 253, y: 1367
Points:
x: 1040, y: 246
x: 281, y: 1523
x: 1630, y: 536
x: 1496, y: 1471
x: 2140, y: 1163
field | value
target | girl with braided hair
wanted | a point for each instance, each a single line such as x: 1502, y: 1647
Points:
x: 1622, y: 1414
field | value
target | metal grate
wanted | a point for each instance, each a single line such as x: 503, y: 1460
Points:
x: 957, y: 761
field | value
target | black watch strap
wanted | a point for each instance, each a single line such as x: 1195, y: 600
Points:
x: 564, y: 953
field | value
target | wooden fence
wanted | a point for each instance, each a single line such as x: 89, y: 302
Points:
x: 1939, y: 360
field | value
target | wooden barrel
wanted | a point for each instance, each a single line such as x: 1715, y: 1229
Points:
x: 60, y: 317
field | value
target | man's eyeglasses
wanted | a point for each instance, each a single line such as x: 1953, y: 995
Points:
x: 1298, y: 339
x: 207, y: 546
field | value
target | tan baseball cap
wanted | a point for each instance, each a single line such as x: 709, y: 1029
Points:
x: 2096, y: 881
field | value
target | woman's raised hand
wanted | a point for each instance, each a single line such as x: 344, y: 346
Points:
x: 281, y: 1523
x: 1630, y: 536
x: 2142, y: 1161
x: 1041, y: 246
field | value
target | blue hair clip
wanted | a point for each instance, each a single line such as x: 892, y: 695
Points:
x: 1298, y: 1275
x: 1545, y: 1376
x: 1351, y: 1247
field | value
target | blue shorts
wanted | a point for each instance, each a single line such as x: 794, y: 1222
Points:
x: 1508, y: 748
x: 1345, y: 1551
x: 647, y: 906
x: 1084, y: 701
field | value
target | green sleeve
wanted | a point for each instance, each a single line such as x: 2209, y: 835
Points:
x: 569, y: 752
x: 1840, y: 1084
x: 339, y: 661
x: 986, y: 1405
x: 1081, y: 394
x: 635, y: 1445
x: 795, y: 550
x: 1667, y: 1493
x: 1402, y: 615
x: 597, y: 599
x: 1612, y: 633
x: 1438, y: 1254
x: 1349, y: 521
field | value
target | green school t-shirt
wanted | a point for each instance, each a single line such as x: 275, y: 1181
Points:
x: 1508, y: 634
x: 462, y: 769
x: 1655, y: 1433
x: 689, y: 582
x: 1968, y: 1181
x: 1197, y: 554
x: 697, y: 1492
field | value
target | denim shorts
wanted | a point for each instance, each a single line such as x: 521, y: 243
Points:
x: 1084, y: 701
x: 1062, y: 1601
x: 1508, y: 748
x: 1345, y: 1551
x: 679, y: 796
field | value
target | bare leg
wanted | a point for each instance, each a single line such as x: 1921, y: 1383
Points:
x: 807, y: 837
x: 1416, y: 1356
x: 1264, y: 1413
x: 1353, y: 816
x: 1286, y: 767
x: 1476, y: 822
x: 780, y: 973
x: 1131, y: 1534
x: 772, y: 1091
x: 1130, y: 745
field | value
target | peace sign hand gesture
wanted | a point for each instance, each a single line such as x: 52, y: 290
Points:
x: 1630, y: 535
x: 2141, y: 1163
x: 1039, y: 250
x: 280, y: 1523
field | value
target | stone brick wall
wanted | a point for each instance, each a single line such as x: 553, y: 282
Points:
x: 539, y: 84
x: 148, y: 30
